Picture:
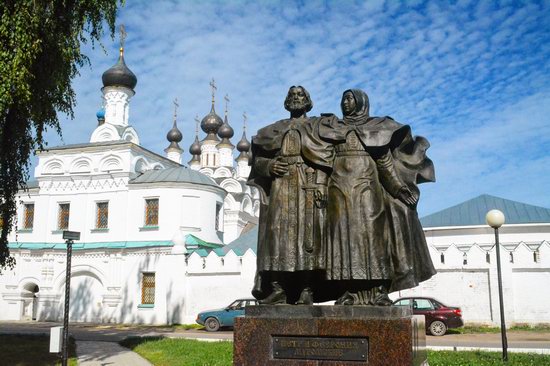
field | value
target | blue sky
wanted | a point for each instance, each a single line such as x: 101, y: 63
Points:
x: 472, y: 77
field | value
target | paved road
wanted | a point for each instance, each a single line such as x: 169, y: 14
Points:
x: 516, y: 339
x: 92, y: 353
x: 111, y: 333
x: 115, y: 333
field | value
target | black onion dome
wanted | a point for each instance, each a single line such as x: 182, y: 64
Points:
x: 226, y: 131
x: 211, y: 122
x: 243, y: 155
x: 119, y: 75
x: 195, y: 160
x: 243, y: 145
x: 174, y: 135
x: 195, y: 148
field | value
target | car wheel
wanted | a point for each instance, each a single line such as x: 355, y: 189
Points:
x: 438, y: 328
x: 212, y: 324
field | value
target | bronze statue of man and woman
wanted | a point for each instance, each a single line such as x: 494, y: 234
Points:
x: 338, y: 216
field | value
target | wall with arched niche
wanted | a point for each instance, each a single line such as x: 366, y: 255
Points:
x: 53, y: 167
x: 110, y: 163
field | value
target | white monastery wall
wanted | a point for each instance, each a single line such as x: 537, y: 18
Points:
x: 485, y: 235
x: 106, y: 287
x: 467, y: 275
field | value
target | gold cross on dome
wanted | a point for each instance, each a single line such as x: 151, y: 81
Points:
x: 226, y: 98
x: 197, y: 121
x: 245, y: 118
x: 176, y: 105
x: 123, y: 36
x: 214, y: 88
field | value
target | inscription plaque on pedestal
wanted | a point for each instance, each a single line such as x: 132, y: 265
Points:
x: 321, y: 348
x: 329, y: 336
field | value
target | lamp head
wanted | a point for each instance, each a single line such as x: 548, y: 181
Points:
x: 495, y: 219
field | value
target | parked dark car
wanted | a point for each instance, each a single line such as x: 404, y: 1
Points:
x: 213, y: 320
x: 439, y: 317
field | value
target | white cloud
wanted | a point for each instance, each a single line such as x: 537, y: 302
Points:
x: 472, y: 77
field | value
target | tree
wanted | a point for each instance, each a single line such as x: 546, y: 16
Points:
x: 40, y: 56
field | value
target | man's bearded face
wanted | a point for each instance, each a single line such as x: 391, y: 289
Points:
x: 297, y: 99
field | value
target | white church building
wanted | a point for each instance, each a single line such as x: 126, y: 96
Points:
x: 147, y: 222
x: 161, y: 241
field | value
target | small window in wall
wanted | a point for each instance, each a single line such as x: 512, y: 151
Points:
x: 442, y: 258
x: 218, y: 216
x: 536, y: 256
x: 63, y: 216
x: 102, y: 215
x: 148, y: 288
x: 152, y: 212
x: 511, y: 257
x: 488, y: 257
x: 28, y: 216
x: 464, y: 259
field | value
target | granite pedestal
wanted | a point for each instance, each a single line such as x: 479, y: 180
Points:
x: 329, y: 336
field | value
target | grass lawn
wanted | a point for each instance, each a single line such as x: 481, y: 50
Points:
x: 31, y: 350
x: 187, y: 352
x: 181, y: 352
x: 481, y: 358
x: 475, y: 329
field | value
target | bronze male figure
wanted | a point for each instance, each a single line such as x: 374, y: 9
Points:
x: 290, y: 166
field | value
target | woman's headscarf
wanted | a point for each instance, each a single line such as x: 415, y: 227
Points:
x: 361, y: 112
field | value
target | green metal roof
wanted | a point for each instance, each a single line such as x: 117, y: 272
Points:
x: 473, y: 211
x: 93, y: 245
x: 175, y: 175
x: 248, y: 240
x: 191, y: 239
x: 201, y: 252
x: 86, y: 144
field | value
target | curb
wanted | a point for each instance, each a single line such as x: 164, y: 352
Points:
x: 542, y: 351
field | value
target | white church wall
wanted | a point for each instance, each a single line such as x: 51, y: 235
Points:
x: 193, y: 211
x: 98, y: 294
x: 473, y: 285
x: 131, y: 308
x: 215, y: 284
x: 86, y: 298
x: 82, y: 212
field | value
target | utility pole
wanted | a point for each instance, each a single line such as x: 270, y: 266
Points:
x: 69, y: 237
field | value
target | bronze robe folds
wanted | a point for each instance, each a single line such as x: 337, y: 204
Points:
x: 290, y: 237
x: 411, y: 259
x: 359, y: 232
x: 371, y: 234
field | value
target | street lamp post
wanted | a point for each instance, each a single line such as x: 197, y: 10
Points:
x: 69, y: 237
x: 495, y: 219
